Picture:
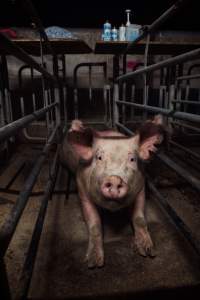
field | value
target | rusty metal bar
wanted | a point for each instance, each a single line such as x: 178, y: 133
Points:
x: 10, y: 129
x: 8, y: 228
x: 166, y: 63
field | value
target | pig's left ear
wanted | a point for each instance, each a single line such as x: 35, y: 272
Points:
x: 150, y: 134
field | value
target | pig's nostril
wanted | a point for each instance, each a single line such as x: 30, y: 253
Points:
x: 108, y: 184
x: 119, y: 186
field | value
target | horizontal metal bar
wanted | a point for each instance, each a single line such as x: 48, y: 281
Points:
x: 178, y: 222
x: 186, y: 126
x: 164, y: 111
x: 186, y: 102
x: 195, y: 182
x: 192, y: 153
x: 11, y: 128
x: 150, y: 28
x: 166, y: 63
x: 25, y: 278
x: 19, y: 53
x: 124, y: 128
x: 167, y: 112
x: 8, y: 228
x: 188, y: 77
x: 186, y: 116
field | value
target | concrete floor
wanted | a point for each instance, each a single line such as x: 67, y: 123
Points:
x: 60, y: 271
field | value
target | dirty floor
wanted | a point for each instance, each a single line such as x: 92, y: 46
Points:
x: 60, y: 271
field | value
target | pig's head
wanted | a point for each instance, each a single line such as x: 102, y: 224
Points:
x: 112, y: 160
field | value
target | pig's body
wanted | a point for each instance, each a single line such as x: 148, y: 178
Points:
x: 108, y: 175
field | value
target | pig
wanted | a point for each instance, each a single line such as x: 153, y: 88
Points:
x: 108, y: 173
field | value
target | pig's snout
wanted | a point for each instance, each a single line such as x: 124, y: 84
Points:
x: 113, y: 187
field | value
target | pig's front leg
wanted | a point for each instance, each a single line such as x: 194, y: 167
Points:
x: 95, y: 251
x: 142, y: 237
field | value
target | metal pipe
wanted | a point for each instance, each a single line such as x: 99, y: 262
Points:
x: 168, y: 112
x: 19, y: 53
x: 10, y: 129
x: 195, y: 182
x: 186, y: 102
x: 164, y: 111
x: 178, y: 222
x: 8, y: 228
x: 192, y: 153
x: 27, y: 271
x: 148, y: 29
x: 188, y: 77
x: 166, y: 63
x: 186, y: 126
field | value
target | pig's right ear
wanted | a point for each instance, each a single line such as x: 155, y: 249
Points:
x: 81, y: 142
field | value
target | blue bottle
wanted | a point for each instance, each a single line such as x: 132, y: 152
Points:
x: 107, y: 31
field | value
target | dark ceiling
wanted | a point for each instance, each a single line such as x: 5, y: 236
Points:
x: 94, y: 13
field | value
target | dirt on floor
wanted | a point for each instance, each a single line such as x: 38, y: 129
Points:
x: 60, y: 271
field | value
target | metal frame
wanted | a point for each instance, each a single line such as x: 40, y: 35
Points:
x: 169, y: 110
x: 8, y: 129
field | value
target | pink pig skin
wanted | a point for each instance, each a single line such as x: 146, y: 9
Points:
x: 108, y: 175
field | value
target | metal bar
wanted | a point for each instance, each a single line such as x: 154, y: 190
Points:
x: 186, y: 102
x: 188, y: 77
x: 10, y: 129
x: 178, y: 222
x: 27, y: 271
x: 195, y: 182
x: 186, y: 126
x: 124, y: 128
x: 8, y: 228
x: 148, y: 29
x: 168, y: 112
x: 192, y: 153
x: 166, y: 63
x: 15, y: 176
x: 16, y: 51
x: 164, y: 111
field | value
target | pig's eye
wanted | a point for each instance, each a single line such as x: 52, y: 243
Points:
x: 99, y: 155
x: 132, y: 158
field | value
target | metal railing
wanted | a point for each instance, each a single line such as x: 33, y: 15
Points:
x: 170, y: 110
x: 10, y: 128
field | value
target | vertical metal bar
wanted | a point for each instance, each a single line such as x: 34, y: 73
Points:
x: 65, y: 104
x: 115, y: 106
x: 132, y: 100
x: 124, y: 99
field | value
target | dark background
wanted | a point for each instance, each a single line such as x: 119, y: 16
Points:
x: 89, y: 14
